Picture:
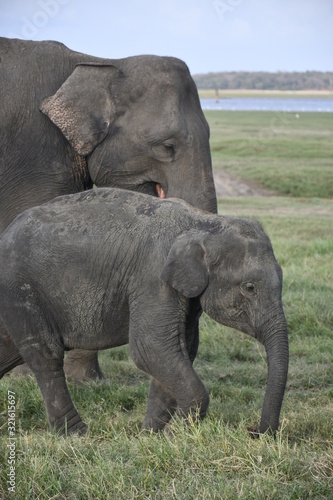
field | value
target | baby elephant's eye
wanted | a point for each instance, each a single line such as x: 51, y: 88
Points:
x: 248, y: 288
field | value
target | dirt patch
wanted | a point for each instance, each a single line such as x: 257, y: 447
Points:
x: 229, y: 185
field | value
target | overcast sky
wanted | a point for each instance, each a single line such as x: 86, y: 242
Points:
x: 225, y: 35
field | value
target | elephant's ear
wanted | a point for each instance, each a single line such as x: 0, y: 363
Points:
x: 82, y: 108
x: 186, y: 269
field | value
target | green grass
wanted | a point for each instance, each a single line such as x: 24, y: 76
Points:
x: 292, y: 156
x: 215, y: 458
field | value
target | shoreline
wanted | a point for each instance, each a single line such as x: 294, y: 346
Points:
x: 225, y: 93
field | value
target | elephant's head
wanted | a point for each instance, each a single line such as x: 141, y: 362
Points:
x: 140, y: 125
x: 234, y: 272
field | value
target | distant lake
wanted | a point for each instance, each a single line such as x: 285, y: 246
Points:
x: 291, y: 104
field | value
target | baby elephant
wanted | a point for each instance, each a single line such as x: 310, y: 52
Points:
x: 107, y: 267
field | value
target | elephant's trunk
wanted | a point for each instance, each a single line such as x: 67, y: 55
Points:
x: 275, y: 339
x: 206, y: 201
x: 191, y: 179
x: 197, y: 188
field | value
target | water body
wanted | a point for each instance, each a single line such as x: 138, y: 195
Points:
x: 291, y: 104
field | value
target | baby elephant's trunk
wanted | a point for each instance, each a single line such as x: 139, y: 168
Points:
x: 275, y: 340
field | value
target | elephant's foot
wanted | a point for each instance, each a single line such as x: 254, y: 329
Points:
x: 72, y: 425
x: 160, y: 408
x: 81, y: 365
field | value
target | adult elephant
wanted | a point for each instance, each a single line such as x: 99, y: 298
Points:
x: 69, y: 120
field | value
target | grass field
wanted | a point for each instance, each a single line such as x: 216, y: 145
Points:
x: 286, y: 152
x: 214, y: 459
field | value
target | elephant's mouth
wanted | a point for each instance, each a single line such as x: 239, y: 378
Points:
x: 151, y: 188
x: 159, y: 190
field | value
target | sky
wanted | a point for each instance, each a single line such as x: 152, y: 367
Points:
x: 209, y: 35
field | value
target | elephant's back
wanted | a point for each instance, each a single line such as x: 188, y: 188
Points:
x: 97, y: 216
x: 29, y: 72
x: 113, y: 207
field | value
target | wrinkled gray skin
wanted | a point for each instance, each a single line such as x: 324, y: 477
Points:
x: 108, y: 267
x: 69, y: 120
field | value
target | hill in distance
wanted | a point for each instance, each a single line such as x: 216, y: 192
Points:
x: 261, y: 80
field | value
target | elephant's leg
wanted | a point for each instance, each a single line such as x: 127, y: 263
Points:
x: 22, y: 370
x: 160, y: 352
x: 81, y: 365
x: 191, y: 395
x: 160, y: 408
x: 9, y: 353
x: 161, y: 404
x: 62, y: 414
x: 187, y: 390
x: 48, y: 370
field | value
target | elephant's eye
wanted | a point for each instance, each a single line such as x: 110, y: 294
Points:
x: 248, y: 288
x: 164, y: 151
x: 170, y: 148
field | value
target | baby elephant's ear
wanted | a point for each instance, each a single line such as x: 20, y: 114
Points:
x: 186, y: 269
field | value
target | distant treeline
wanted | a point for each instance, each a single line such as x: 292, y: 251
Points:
x: 260, y: 80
